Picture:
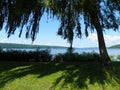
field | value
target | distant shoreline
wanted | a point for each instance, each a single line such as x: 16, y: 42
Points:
x: 27, y: 46
x: 115, y: 46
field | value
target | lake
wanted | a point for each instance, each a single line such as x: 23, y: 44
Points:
x: 111, y: 51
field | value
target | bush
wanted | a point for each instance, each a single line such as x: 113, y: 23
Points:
x: 118, y: 57
x: 43, y: 55
x: 15, y: 55
x: 77, y: 57
x: 112, y: 58
x: 1, y: 49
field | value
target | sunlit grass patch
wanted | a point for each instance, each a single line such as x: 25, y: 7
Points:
x: 58, y: 76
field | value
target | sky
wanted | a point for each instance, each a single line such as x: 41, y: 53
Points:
x: 48, y: 36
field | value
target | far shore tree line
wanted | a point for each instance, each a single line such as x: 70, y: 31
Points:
x: 97, y: 15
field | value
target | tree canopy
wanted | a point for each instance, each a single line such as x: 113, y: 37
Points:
x: 20, y: 13
x: 71, y: 13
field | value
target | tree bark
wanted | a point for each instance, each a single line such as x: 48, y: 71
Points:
x: 106, y: 62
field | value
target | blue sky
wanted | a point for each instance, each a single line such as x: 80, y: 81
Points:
x: 48, y: 36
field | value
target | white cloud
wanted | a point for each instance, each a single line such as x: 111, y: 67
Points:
x: 3, y: 40
x: 17, y: 40
x: 92, y: 37
x: 109, y: 39
x: 51, y: 43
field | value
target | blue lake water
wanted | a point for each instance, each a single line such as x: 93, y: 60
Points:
x: 111, y: 51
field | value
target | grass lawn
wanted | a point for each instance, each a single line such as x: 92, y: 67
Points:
x: 58, y: 76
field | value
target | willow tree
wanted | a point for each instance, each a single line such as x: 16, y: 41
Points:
x: 21, y: 14
x: 96, y: 14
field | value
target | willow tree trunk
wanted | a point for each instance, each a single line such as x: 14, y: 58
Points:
x: 106, y: 62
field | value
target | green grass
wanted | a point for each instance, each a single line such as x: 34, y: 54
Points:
x: 58, y: 76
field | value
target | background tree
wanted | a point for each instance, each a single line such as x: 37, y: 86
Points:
x: 97, y: 15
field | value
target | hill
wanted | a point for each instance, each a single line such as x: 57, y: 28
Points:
x: 115, y: 46
x: 13, y: 45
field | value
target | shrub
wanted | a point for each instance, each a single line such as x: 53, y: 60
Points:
x: 112, y: 58
x: 43, y: 55
x: 1, y: 49
x: 118, y: 57
x: 77, y: 57
x: 15, y: 55
x: 58, y: 57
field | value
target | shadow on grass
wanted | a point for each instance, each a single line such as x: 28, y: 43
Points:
x: 75, y: 74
